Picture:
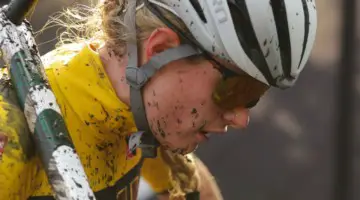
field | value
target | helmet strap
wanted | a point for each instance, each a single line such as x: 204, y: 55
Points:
x: 137, y: 77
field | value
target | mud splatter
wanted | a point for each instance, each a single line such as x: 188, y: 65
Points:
x: 193, y: 111
x: 156, y: 105
x: 160, y: 130
x: 179, y: 121
x: 163, y: 121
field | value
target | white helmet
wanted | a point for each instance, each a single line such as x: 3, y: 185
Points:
x: 270, y: 40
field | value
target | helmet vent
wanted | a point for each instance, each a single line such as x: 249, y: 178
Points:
x: 306, y: 36
x: 247, y: 37
x: 198, y: 9
x: 279, y: 10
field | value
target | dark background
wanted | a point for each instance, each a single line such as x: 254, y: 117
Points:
x: 288, y: 152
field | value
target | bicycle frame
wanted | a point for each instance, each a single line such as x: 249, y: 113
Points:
x: 19, y: 51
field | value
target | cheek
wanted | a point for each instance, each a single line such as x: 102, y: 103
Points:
x: 177, y: 107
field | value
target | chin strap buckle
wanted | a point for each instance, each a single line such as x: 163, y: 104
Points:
x: 149, y: 145
x: 145, y: 141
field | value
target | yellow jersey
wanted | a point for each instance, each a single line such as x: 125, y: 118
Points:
x: 99, y: 125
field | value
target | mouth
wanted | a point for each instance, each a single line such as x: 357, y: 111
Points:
x: 203, y: 136
x: 207, y: 135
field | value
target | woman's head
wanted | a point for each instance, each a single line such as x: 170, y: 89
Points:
x: 188, y: 97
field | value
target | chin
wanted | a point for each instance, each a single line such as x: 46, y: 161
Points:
x: 192, y: 149
x: 184, y: 151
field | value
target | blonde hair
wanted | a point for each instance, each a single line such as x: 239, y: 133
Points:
x: 103, y: 22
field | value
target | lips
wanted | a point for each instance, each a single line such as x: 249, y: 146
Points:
x: 202, y: 136
x: 206, y: 135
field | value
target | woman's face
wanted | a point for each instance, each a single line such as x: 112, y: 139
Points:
x: 180, y: 107
x: 179, y: 98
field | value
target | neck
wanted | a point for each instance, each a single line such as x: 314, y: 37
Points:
x: 115, y: 67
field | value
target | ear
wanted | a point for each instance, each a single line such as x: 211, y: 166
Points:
x: 160, y: 40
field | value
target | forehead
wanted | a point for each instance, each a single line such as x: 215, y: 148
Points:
x: 234, y: 68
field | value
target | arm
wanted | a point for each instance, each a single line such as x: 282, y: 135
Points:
x: 209, y: 190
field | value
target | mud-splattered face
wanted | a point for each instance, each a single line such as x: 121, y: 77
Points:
x: 180, y: 98
x: 180, y: 107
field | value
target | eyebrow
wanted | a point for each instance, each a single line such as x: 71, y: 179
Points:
x: 225, y: 71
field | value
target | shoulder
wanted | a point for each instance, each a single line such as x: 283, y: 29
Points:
x: 62, y: 54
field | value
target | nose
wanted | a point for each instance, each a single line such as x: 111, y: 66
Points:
x: 237, y: 118
x: 216, y: 125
